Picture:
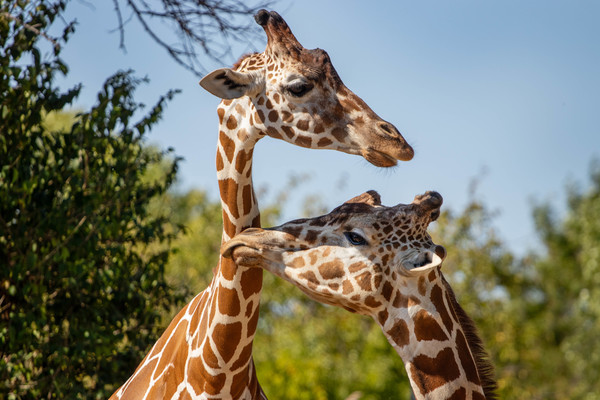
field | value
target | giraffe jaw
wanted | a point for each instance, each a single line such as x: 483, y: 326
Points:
x: 378, y: 158
x: 384, y: 159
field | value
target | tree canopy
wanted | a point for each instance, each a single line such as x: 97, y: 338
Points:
x: 75, y: 230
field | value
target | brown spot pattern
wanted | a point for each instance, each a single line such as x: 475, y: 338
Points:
x: 427, y: 328
x: 466, y: 359
x: 229, y: 190
x: 242, y: 135
x: 240, y: 161
x: 289, y: 131
x: 298, y: 262
x: 364, y: 281
x: 332, y: 270
x: 220, y: 163
x: 243, y: 358
x: 347, y: 287
x: 339, y: 134
x: 287, y: 116
x: 304, y: 141
x: 311, y: 237
x: 273, y: 116
x: 356, y: 267
x: 247, y: 199
x: 251, y: 282
x: 240, y: 110
x: 400, y: 301
x: 310, y: 278
x: 224, y: 335
x: 259, y: 116
x: 399, y: 333
x: 371, y: 302
x: 324, y: 142
x: 387, y: 290
x: 227, y: 145
x: 228, y: 269
x: 438, y: 301
x: 229, y: 303
x: 460, y: 394
x: 215, y: 384
x: 209, y: 357
x: 302, y: 125
x: 430, y: 373
x: 231, y: 123
x: 274, y: 133
x: 382, y: 316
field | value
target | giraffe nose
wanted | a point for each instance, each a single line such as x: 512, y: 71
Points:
x: 389, y: 129
x: 399, y: 148
x: 440, y: 251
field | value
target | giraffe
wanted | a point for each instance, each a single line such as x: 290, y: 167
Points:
x: 381, y: 262
x: 289, y: 93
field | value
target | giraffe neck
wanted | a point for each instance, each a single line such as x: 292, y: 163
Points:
x: 234, y: 294
x: 206, y: 351
x: 426, y: 332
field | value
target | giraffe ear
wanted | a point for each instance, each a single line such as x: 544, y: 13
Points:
x: 371, y: 198
x: 229, y: 84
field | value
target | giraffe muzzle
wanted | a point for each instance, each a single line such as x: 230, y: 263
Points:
x: 243, y: 239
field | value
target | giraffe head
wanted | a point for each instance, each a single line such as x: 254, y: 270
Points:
x: 380, y: 261
x: 295, y: 94
x: 361, y: 256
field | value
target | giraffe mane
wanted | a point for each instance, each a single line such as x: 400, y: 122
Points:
x: 484, y: 366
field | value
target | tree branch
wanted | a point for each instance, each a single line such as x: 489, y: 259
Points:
x: 201, y: 27
x: 31, y: 28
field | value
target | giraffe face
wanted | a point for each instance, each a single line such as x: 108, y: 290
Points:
x: 295, y: 94
x: 358, y: 257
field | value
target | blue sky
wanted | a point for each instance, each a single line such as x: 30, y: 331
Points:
x: 507, y: 92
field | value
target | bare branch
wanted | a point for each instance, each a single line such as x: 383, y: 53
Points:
x: 121, y: 26
x: 200, y: 27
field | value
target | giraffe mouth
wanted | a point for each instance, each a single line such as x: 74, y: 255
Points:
x: 379, y: 158
x: 421, y: 261
x: 424, y: 260
x: 254, y: 247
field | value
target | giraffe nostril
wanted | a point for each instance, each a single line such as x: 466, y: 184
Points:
x: 389, y: 129
x: 440, y: 251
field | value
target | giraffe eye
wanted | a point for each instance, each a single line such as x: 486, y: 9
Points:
x: 355, y: 238
x: 299, y: 89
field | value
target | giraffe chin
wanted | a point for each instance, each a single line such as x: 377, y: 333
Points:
x: 379, y: 159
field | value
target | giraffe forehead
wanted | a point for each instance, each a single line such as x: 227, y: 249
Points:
x: 314, y: 64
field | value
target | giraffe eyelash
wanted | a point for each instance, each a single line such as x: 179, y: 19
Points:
x: 299, y: 87
x: 355, y: 238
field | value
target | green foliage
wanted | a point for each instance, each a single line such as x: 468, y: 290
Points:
x: 197, y: 245
x: 569, y: 277
x: 82, y: 287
